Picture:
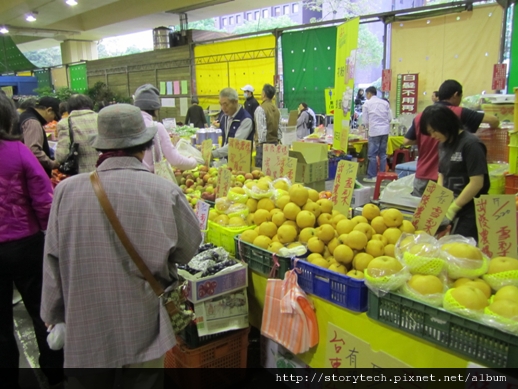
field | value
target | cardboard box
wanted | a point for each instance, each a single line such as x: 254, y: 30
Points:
x: 362, y: 196
x: 312, y: 163
x: 504, y: 112
x: 206, y: 288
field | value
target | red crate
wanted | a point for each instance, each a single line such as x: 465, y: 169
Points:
x: 228, y: 352
x: 496, y: 142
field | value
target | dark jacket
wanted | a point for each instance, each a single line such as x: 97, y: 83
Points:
x: 31, y: 114
x: 236, y: 122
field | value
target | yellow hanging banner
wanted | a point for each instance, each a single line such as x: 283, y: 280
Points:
x: 346, y: 49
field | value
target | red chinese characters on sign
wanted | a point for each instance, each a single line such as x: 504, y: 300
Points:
x: 386, y: 80
x: 483, y: 226
x: 499, y: 76
x: 409, y: 98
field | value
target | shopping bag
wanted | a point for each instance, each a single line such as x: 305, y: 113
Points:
x: 185, y: 149
x: 284, y: 319
x: 161, y: 165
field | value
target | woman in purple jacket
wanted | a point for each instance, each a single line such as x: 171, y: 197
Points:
x: 25, y: 199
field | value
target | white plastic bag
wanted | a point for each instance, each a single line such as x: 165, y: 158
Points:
x: 56, y: 336
x: 184, y: 148
x: 400, y: 192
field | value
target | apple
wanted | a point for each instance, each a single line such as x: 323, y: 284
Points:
x: 206, y: 177
x: 249, y: 176
x: 383, y: 266
x: 182, y: 180
x: 256, y: 174
x: 213, y: 171
x: 501, y: 264
x: 470, y: 297
x: 241, y: 178
x: 209, y: 189
x: 189, y: 183
x: 426, y: 285
x: 189, y: 190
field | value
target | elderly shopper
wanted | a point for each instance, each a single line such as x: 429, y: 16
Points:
x: 26, y: 196
x: 147, y: 98
x: 113, y: 317
x: 82, y: 123
x: 236, y: 122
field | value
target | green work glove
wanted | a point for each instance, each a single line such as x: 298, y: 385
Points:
x: 452, y: 211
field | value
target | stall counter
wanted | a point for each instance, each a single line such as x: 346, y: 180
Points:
x: 407, y: 349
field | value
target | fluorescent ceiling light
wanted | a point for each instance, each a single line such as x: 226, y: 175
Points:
x: 4, y: 30
x: 71, y: 2
x: 31, y: 17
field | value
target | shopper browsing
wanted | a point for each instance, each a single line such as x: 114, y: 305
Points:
x: 31, y: 128
x: 462, y: 165
x: 195, y: 115
x: 235, y: 123
x: 82, y: 123
x: 450, y: 95
x: 267, y: 120
x: 303, y: 121
x: 147, y: 98
x: 376, y: 118
x: 24, y: 212
x: 113, y: 317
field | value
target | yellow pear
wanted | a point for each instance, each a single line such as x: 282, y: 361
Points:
x: 322, y: 262
x: 338, y: 268
x: 275, y: 238
x: 248, y: 236
x: 305, y: 219
x: 345, y: 226
x: 324, y: 218
x: 360, y: 219
x: 278, y: 219
x: 262, y: 242
x: 356, y: 240
x: 250, y: 219
x: 361, y: 261
x: 274, y: 247
x: 261, y: 216
x: 282, y: 201
x: 365, y: 228
x: 315, y: 245
x: 306, y: 234
x: 213, y: 215
x: 336, y: 219
x: 222, y: 220
x: 407, y: 227
x: 313, y: 256
x: 370, y: 211
x: 281, y: 184
x: 392, y: 234
x: 390, y: 250
x: 378, y: 224
x: 287, y: 234
x: 291, y: 223
x: 291, y: 210
x: 266, y: 204
x: 326, y: 233
x: 236, y: 221
x: 332, y: 244
x: 393, y: 217
x: 252, y: 205
x: 298, y: 194
x: 375, y: 248
x: 274, y: 211
x: 326, y: 206
x: 313, y: 195
x: 312, y: 207
x: 343, y: 254
x: 381, y: 238
x: 268, y: 229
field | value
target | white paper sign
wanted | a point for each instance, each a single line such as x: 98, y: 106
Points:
x: 183, y: 106
x: 202, y: 213
x: 168, y: 102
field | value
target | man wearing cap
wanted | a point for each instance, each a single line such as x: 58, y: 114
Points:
x: 251, y: 103
x: 31, y: 128
x: 195, y: 115
x: 113, y: 318
x: 236, y: 122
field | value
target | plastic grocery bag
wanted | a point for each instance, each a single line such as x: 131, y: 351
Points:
x: 184, y: 148
x: 56, y: 336
x: 288, y: 316
x: 400, y: 192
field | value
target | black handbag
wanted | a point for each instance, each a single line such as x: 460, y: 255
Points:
x: 71, y: 164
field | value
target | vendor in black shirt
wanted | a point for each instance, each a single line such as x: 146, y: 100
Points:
x: 462, y: 165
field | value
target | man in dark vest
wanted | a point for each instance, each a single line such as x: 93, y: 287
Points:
x: 267, y: 119
x: 236, y: 122
x: 31, y: 129
x: 450, y: 95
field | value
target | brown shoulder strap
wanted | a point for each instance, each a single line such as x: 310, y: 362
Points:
x: 119, y: 230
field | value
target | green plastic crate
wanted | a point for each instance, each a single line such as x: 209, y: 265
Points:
x: 260, y: 260
x: 224, y: 236
x: 476, y: 341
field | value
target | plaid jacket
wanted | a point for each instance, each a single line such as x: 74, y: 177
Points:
x: 112, y: 315
x: 84, y: 124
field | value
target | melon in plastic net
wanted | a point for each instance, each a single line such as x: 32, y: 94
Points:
x: 498, y: 280
x: 452, y: 305
x: 432, y: 299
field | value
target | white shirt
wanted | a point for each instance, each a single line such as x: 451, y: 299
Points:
x: 376, y: 116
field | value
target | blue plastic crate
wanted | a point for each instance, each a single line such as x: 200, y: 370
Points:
x: 339, y: 289
x: 405, y: 169
x: 333, y: 164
